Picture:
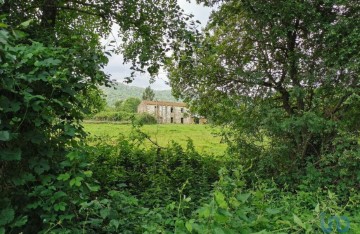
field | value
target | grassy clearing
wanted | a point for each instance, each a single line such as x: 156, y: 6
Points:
x: 202, y: 135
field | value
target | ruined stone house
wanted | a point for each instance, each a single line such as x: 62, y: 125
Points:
x: 169, y: 112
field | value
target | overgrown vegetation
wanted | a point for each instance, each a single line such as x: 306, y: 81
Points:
x: 285, y: 77
x: 284, y: 72
x: 125, y: 112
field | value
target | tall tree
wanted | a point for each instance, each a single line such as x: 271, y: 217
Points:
x: 286, y: 70
x: 148, y: 94
x: 130, y: 105
x: 51, y: 65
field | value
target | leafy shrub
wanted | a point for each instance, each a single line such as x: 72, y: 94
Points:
x: 265, y: 208
x: 145, y: 118
x: 156, y: 174
x: 130, y: 105
x: 112, y: 116
x: 41, y: 106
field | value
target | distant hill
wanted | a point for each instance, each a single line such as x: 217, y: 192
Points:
x: 122, y: 91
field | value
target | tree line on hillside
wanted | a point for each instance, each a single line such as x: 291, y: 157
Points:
x: 121, y: 91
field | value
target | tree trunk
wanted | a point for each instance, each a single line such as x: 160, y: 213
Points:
x: 48, y: 20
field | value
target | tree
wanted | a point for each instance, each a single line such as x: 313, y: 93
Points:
x: 286, y: 71
x: 148, y: 94
x: 51, y: 65
x: 130, y: 105
x: 118, y: 104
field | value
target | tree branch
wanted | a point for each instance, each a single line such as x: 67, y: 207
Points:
x: 82, y: 11
x: 339, y: 104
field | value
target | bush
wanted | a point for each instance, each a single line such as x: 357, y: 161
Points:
x: 156, y: 174
x: 265, y: 208
x: 112, y: 116
x: 145, y: 118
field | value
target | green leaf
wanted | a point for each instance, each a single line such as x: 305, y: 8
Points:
x: 220, y: 217
x: 72, y: 155
x: 4, y: 135
x: 59, y: 194
x: 12, y: 107
x: 92, y: 188
x: 10, y: 154
x: 4, y: 35
x: 20, y: 221
x: 317, y: 208
x: 218, y: 230
x: 67, y: 216
x: 204, y: 212
x: 19, y: 34
x: 41, y: 166
x: 115, y: 223
x: 76, y: 181
x: 264, y: 232
x: 64, y: 177
x: 188, y: 225
x: 298, y: 221
x: 26, y: 23
x: 2, y: 25
x: 220, y: 199
x: 88, y: 173
x: 60, y: 206
x: 273, y: 211
x: 23, y: 179
x: 104, y: 213
x: 6, y: 216
x: 199, y: 228
x: 69, y: 130
x: 2, y: 230
x: 243, y: 197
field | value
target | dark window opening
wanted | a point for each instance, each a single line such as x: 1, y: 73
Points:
x: 182, y: 120
x: 172, y: 109
x: 172, y: 120
x: 196, y: 120
x: 182, y: 110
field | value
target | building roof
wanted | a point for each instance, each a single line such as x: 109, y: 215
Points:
x: 163, y: 103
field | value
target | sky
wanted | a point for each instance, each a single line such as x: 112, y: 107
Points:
x: 119, y: 71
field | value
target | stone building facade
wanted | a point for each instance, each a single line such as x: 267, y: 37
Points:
x: 169, y: 112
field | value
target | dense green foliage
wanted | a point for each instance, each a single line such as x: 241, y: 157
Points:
x: 130, y: 105
x: 124, y: 188
x: 41, y: 103
x: 284, y: 75
x: 145, y: 118
x: 282, y: 72
x: 51, y: 65
x: 112, y: 116
x: 124, y: 111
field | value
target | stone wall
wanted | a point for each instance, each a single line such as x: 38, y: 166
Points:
x: 167, y: 112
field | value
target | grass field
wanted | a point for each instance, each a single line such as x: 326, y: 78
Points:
x: 202, y: 135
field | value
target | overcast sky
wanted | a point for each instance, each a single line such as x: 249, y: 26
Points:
x: 118, y: 70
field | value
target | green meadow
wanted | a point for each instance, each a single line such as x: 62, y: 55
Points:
x: 204, y: 137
